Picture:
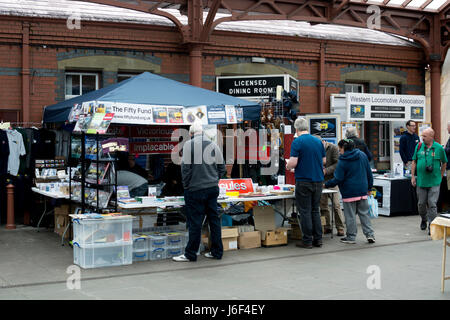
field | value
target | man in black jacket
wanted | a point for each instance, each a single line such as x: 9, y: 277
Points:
x: 202, y: 166
x: 408, y: 142
x: 352, y: 134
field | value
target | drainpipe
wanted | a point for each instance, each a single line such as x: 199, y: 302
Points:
x: 25, y: 72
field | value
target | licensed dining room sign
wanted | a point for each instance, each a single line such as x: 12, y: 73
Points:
x: 385, y: 107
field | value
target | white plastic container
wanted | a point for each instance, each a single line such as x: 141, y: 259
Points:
x: 157, y: 254
x: 96, y: 256
x: 173, y: 252
x: 87, y: 232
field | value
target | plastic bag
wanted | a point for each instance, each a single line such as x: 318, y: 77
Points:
x: 373, y: 207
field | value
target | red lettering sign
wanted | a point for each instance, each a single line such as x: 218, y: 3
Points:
x: 152, y: 147
x: 241, y: 185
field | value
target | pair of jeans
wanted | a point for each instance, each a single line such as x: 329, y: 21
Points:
x: 360, y: 208
x: 198, y: 204
x: 307, y: 197
x: 427, y: 202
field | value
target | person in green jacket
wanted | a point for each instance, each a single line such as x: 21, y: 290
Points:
x: 429, y: 164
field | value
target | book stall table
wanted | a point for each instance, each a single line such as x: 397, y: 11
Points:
x: 149, y: 205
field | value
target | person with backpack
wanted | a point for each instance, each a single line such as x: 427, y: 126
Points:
x: 429, y: 164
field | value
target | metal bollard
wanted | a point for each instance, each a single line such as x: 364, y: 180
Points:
x: 10, y: 220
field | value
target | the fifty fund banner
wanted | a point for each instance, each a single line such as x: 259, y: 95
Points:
x: 132, y: 113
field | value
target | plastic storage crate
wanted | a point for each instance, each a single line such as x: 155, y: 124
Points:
x: 157, y: 241
x: 101, y: 231
x: 140, y: 242
x: 96, y: 256
x: 174, y: 240
x: 173, y: 252
x: 140, y: 256
x: 157, y: 254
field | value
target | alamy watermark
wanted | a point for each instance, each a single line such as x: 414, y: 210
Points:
x: 374, y: 280
x: 374, y: 21
x: 74, y: 280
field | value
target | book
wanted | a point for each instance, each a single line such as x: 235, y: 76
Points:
x: 123, y: 193
x: 103, y: 198
x: 101, y: 169
x: 100, y: 122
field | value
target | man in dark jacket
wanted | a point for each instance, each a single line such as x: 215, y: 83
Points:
x: 332, y: 155
x: 352, y: 134
x: 354, y: 177
x: 408, y: 142
x: 202, y: 166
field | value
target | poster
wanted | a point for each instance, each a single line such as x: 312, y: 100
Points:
x: 100, y: 123
x: 239, y: 114
x: 160, y: 115
x: 191, y: 114
x: 216, y: 115
x: 397, y: 129
x: 231, y: 114
x: 326, y: 126
x: 175, y: 114
x: 128, y: 113
x: 422, y: 126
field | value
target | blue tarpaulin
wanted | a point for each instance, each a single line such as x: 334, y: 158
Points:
x: 151, y: 89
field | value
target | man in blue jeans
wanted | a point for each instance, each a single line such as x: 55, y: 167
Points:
x: 308, y: 158
x: 202, y: 166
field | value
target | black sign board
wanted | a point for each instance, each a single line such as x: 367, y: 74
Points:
x: 387, y: 115
x: 387, y: 108
x: 256, y: 86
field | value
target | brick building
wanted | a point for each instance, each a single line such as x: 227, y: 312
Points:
x: 45, y: 58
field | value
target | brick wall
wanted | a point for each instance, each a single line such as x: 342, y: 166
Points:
x: 50, y: 40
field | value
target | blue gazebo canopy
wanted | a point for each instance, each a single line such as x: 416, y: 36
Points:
x: 151, y: 89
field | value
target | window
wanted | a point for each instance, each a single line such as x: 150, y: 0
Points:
x: 9, y: 115
x: 78, y: 83
x: 383, y: 141
x: 354, y: 87
x: 387, y: 89
x: 125, y: 76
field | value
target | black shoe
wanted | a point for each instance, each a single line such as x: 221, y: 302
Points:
x: 327, y: 231
x: 423, y: 225
x: 317, y: 244
x: 304, y: 245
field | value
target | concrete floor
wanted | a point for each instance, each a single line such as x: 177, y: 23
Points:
x: 33, y: 266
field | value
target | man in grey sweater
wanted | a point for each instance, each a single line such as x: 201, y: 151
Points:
x: 201, y: 168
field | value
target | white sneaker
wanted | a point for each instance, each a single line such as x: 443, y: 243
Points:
x: 181, y: 258
x: 210, y: 256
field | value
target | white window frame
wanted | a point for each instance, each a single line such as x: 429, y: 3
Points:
x: 384, y: 146
x: 353, y: 87
x: 80, y: 74
x: 383, y: 88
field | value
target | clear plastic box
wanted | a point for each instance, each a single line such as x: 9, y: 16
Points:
x: 157, y: 254
x: 157, y: 241
x: 140, y: 256
x: 101, y: 231
x: 140, y: 242
x: 173, y: 252
x: 184, y: 238
x: 96, y: 256
x: 174, y: 239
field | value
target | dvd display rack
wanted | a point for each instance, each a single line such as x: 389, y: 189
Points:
x: 93, y: 181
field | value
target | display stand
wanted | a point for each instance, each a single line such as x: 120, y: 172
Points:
x: 96, y: 186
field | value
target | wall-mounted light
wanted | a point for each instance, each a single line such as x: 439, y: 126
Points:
x: 258, y: 60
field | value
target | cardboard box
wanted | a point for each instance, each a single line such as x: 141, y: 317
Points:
x: 230, y: 238
x: 264, y: 218
x: 61, y: 222
x: 275, y: 237
x: 296, y: 232
x: 249, y: 240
